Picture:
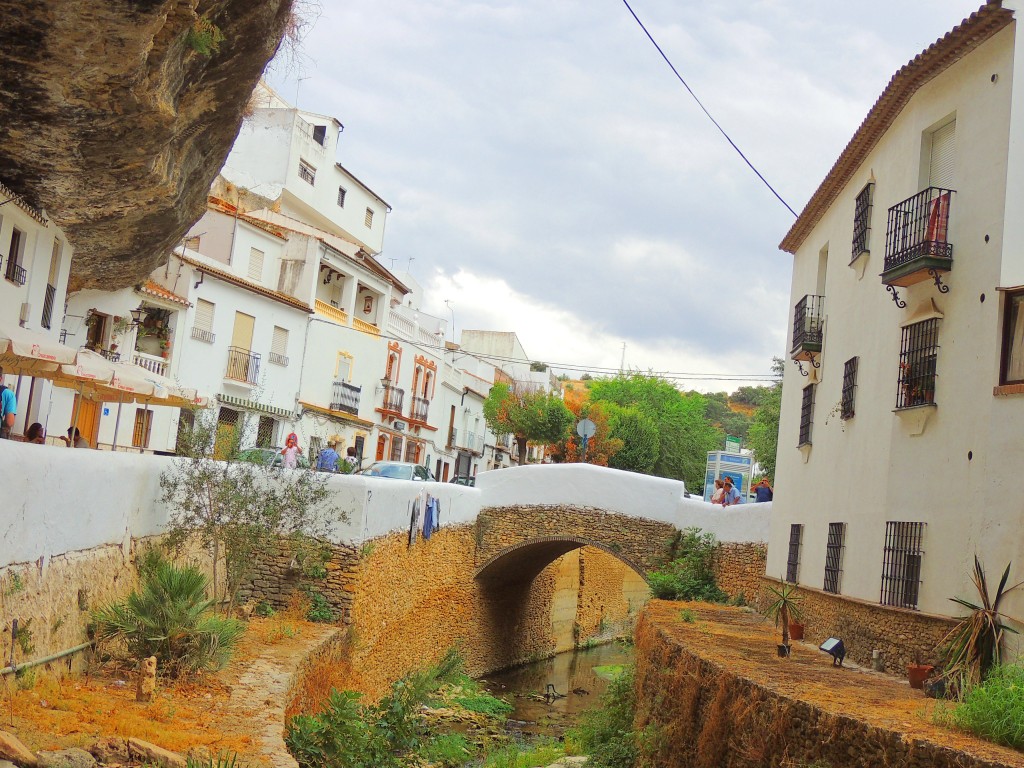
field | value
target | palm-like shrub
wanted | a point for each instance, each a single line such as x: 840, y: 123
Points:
x: 785, y: 607
x: 172, y: 619
x: 974, y: 644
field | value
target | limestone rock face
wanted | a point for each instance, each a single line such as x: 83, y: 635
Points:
x: 115, y: 124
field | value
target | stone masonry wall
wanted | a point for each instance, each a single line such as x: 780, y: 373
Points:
x: 279, y: 578
x: 739, y: 569
x: 901, y: 635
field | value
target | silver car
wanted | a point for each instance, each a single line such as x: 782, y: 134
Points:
x: 398, y: 470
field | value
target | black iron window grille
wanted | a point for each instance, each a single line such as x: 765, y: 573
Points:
x: 862, y: 220
x: 341, y: 197
x: 393, y: 399
x: 796, y: 535
x: 278, y: 359
x: 806, y: 415
x: 808, y: 321
x: 420, y: 408
x: 901, y: 564
x: 48, y: 299
x: 307, y: 172
x: 834, y: 556
x: 919, y: 227
x: 919, y: 348
x: 846, y: 409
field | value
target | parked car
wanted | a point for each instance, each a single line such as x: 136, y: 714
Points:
x: 464, y: 480
x: 269, y: 456
x: 399, y: 470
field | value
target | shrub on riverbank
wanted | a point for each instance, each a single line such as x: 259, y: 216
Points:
x: 994, y: 709
x: 690, y: 573
x: 606, y: 733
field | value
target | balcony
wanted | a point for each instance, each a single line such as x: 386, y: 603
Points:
x: 468, y: 441
x: 15, y: 272
x: 201, y: 334
x: 365, y: 327
x: 151, y: 363
x: 420, y: 407
x: 330, y: 312
x: 346, y: 397
x: 243, y: 366
x: 393, y: 399
x: 917, y: 245
x: 808, y: 324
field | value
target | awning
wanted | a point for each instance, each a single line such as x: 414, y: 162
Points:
x: 252, y: 405
x: 30, y: 353
x: 339, y: 416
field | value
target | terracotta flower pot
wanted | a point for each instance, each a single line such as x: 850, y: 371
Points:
x: 796, y: 631
x: 918, y: 673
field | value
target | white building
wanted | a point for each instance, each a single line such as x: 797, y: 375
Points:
x: 36, y: 261
x: 899, y: 442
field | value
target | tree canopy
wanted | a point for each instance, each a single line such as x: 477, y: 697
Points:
x: 529, y: 414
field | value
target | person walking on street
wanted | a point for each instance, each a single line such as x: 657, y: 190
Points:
x: 327, y: 461
x: 291, y: 451
x: 8, y: 408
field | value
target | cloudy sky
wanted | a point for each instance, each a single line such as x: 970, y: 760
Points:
x: 549, y: 175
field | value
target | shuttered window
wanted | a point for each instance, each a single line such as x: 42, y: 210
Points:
x: 941, y: 156
x: 368, y: 219
x: 202, y: 326
x: 279, y: 346
x: 255, y: 264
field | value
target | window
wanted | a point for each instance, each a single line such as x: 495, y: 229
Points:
x: 396, y: 449
x: 343, y: 367
x: 307, y: 172
x: 279, y: 346
x: 919, y: 347
x: 202, y: 325
x: 368, y: 219
x: 320, y: 134
x: 941, y: 155
x: 846, y: 409
x: 901, y: 564
x: 834, y: 556
x: 862, y: 220
x: 341, y: 197
x: 192, y: 243
x: 265, y: 432
x: 15, y: 272
x: 806, y: 414
x: 796, y: 534
x: 186, y: 427
x: 143, y: 427
x: 1011, y: 370
x: 51, y: 284
x: 256, y: 264
x: 412, y: 452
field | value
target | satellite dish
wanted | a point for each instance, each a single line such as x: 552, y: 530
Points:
x: 586, y: 428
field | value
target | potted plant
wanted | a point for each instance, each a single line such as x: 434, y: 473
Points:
x: 796, y: 630
x: 784, y: 609
x: 917, y: 672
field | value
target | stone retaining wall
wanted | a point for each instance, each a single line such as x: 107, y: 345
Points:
x: 901, y: 635
x: 739, y: 570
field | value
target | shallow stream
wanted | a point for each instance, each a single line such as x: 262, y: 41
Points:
x: 570, y: 676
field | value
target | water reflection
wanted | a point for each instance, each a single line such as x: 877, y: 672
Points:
x: 573, y: 678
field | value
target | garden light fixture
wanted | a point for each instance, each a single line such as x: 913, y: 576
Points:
x: 834, y: 647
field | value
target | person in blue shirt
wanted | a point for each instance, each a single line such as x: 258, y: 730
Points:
x: 732, y: 496
x: 763, y: 491
x: 328, y: 459
x: 8, y: 408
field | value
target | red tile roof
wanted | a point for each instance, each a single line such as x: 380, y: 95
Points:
x: 152, y: 289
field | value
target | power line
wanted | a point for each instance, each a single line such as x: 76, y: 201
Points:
x: 701, y: 105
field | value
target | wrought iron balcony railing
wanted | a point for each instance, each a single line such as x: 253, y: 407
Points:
x: 15, y: 272
x: 420, y: 407
x: 201, y: 334
x: 393, y: 399
x: 346, y: 397
x: 243, y: 365
x: 808, y: 324
x: 48, y: 299
x: 917, y: 238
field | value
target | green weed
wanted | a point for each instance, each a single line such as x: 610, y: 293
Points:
x: 994, y: 709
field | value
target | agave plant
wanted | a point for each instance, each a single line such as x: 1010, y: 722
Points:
x: 785, y: 608
x: 974, y: 644
x: 172, y: 619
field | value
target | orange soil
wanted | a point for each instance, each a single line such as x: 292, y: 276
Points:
x: 56, y: 714
x: 743, y: 643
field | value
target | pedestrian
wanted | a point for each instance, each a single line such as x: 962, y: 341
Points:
x: 75, y: 439
x: 8, y: 408
x: 732, y: 496
x: 36, y: 434
x: 716, y: 497
x: 291, y: 451
x: 352, y: 458
x: 763, y: 491
x: 327, y: 461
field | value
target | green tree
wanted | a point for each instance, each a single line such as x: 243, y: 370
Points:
x: 240, y: 509
x: 685, y: 435
x: 531, y: 415
x: 763, y: 436
x: 639, y: 435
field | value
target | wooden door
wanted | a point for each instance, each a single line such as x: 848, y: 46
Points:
x: 88, y: 419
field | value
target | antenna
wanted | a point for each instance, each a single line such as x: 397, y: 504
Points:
x: 622, y: 365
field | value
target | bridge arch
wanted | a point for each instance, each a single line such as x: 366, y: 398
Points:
x: 523, y: 561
